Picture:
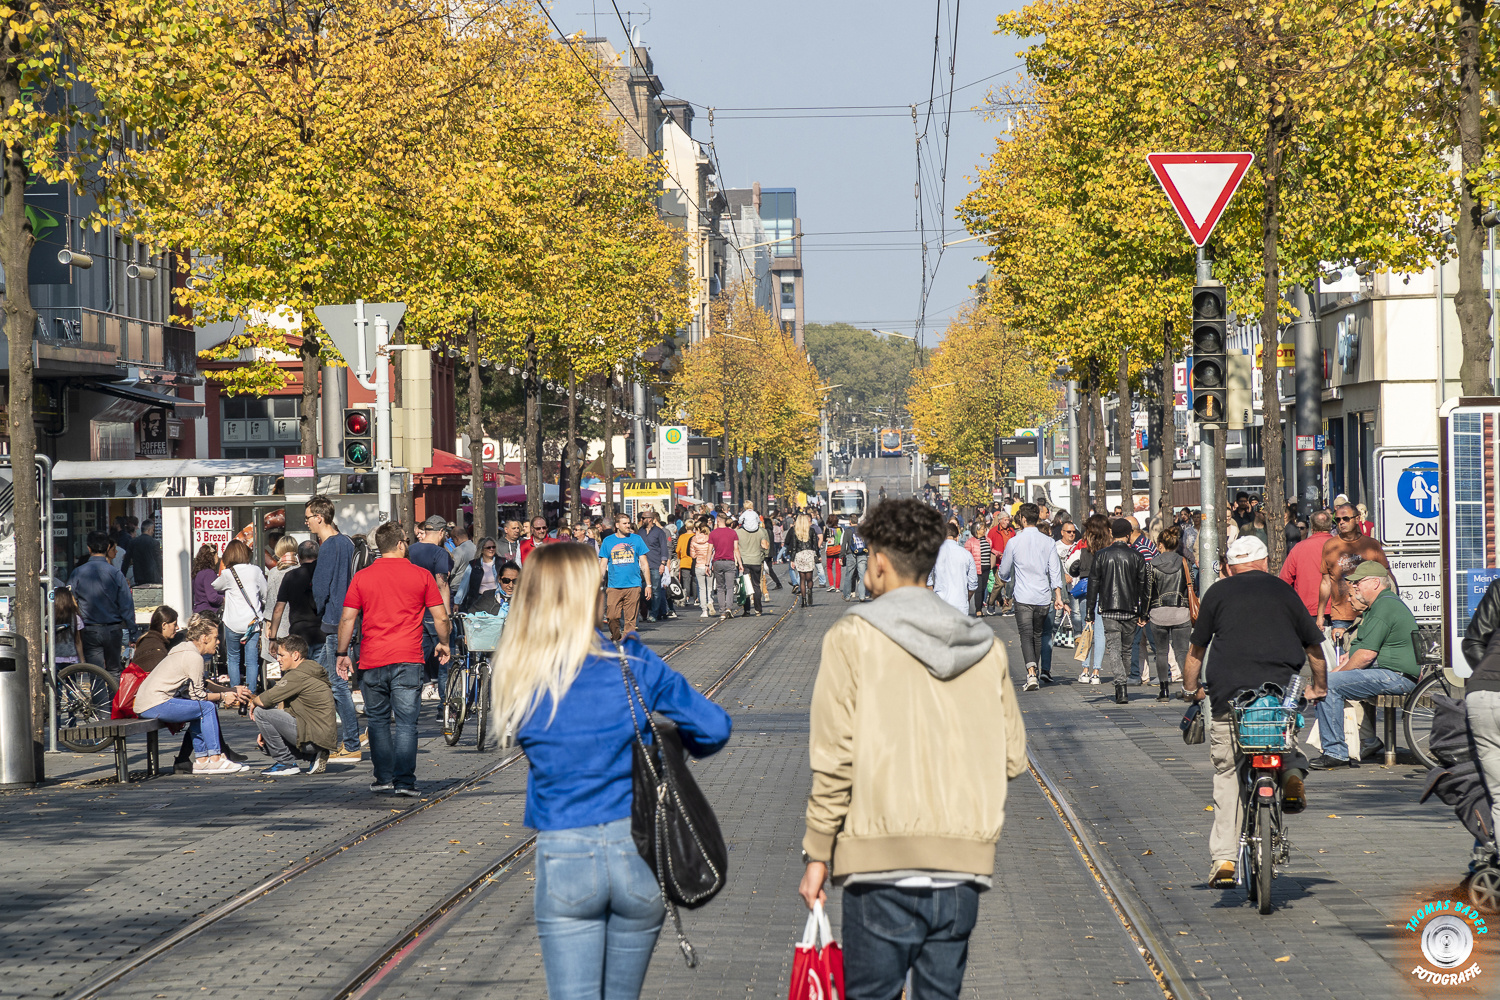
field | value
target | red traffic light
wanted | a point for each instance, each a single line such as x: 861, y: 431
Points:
x: 357, y: 423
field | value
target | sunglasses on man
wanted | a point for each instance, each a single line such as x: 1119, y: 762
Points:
x: 508, y: 581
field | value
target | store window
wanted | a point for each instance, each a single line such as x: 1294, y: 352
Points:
x: 260, y: 427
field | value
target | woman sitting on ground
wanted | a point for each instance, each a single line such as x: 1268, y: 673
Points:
x: 152, y: 647
x: 560, y: 690
x: 173, y: 692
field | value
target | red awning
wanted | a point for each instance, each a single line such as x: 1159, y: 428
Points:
x: 445, y: 463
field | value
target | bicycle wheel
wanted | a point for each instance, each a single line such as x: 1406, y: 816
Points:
x: 1264, y: 832
x: 482, y: 710
x: 85, y: 695
x: 453, y: 707
x: 1416, y: 716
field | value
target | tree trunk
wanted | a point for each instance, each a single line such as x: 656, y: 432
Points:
x: 575, y: 458
x: 609, y: 450
x: 484, y: 513
x: 16, y: 240
x: 532, y: 446
x: 1470, y: 303
x: 1270, y: 437
x: 1101, y: 445
x: 1125, y: 425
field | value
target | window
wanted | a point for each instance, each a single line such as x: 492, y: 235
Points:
x: 788, y: 297
x: 260, y: 427
x: 778, y: 212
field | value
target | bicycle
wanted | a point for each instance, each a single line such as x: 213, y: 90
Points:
x: 1264, y: 735
x: 1417, y: 709
x: 468, y: 690
x: 85, y: 695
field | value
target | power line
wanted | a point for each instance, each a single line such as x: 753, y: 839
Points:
x: 900, y: 108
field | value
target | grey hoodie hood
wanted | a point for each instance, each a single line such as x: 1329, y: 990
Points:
x: 914, y: 618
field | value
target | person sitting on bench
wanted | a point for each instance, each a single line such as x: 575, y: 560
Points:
x: 306, y: 726
x: 174, y: 692
x: 1381, y: 659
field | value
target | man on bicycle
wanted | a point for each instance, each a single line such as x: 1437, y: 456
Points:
x: 1260, y: 632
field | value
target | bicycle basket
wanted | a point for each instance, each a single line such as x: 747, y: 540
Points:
x: 482, y: 632
x: 1264, y: 725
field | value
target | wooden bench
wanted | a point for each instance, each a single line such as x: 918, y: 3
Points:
x: 119, y: 730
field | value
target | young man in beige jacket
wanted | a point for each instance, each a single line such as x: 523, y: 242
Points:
x: 915, y: 734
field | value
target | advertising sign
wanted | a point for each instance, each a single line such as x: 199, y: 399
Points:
x: 1407, y: 486
x: 658, y: 493
x: 212, y: 526
x: 672, y: 452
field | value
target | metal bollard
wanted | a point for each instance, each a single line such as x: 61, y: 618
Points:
x: 17, y: 753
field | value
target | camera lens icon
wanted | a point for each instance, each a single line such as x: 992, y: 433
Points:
x: 1447, y: 941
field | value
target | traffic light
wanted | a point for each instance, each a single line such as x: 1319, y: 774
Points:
x: 359, y: 446
x: 1210, y: 339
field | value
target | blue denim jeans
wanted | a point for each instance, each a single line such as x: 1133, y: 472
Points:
x: 889, y: 930
x: 1353, y: 685
x: 242, y: 659
x: 393, y: 696
x: 202, y: 718
x: 343, y: 697
x: 598, y: 912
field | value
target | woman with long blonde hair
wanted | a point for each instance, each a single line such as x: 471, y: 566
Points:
x: 803, y: 548
x: 560, y: 688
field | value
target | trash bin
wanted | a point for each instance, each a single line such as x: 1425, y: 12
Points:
x: 17, y: 752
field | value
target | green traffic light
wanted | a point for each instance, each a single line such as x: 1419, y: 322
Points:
x: 357, y: 454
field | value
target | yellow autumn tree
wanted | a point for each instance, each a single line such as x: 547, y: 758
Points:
x: 750, y: 385
x: 983, y: 378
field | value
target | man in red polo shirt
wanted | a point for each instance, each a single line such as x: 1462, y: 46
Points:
x: 1000, y: 533
x: 1303, y: 567
x: 386, y: 600
x: 537, y: 537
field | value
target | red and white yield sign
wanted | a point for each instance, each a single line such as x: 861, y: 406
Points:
x: 1199, y: 186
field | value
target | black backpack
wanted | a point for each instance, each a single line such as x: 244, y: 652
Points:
x: 364, y: 554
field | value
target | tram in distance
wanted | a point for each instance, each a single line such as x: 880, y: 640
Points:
x: 890, y: 443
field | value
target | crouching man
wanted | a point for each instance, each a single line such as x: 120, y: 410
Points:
x: 915, y: 734
x: 305, y: 727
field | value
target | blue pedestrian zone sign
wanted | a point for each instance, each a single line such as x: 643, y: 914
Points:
x: 1417, y: 490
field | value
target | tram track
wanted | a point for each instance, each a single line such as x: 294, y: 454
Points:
x: 220, y: 912
x: 360, y: 985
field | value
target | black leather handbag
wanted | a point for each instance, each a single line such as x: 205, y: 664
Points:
x: 673, y: 826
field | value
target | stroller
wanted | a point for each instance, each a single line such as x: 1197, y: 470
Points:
x: 1458, y: 782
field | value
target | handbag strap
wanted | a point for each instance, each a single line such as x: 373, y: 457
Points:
x: 659, y: 779
x: 256, y: 612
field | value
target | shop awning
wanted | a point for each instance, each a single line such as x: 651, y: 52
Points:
x: 185, y: 409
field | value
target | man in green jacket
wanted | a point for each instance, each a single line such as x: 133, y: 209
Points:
x: 306, y: 725
x: 915, y: 734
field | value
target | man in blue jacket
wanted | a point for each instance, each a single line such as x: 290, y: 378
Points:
x: 329, y: 584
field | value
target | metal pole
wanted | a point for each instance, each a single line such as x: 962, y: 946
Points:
x: 383, y: 417
x: 638, y: 398
x: 332, y: 394
x: 1073, y: 468
x: 1208, y: 480
x: 1309, y: 405
x: 1442, y: 339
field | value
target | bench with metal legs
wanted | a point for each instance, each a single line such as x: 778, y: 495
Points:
x: 119, y: 730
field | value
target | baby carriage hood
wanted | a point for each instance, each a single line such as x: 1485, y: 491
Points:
x: 1458, y: 783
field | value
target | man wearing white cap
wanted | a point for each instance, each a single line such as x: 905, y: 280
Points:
x: 1260, y: 632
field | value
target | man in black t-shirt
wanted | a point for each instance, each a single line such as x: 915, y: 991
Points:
x: 1259, y: 632
x: 428, y: 552
x: 295, y: 598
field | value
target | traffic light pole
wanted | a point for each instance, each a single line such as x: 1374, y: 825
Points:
x: 383, y: 417
x: 1208, y: 479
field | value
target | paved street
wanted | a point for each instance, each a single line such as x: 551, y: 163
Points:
x: 96, y: 871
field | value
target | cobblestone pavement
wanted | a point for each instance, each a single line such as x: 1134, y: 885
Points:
x: 1363, y: 854
x: 94, y: 870
x: 1044, y: 931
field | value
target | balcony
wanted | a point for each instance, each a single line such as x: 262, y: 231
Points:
x: 134, y: 341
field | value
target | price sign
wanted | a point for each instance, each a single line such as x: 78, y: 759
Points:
x: 212, y: 526
x: 1420, y: 579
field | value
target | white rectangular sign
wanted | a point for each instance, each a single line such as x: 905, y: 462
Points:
x: 212, y: 526
x: 1409, y: 498
x: 672, y: 452
x: 1420, y: 579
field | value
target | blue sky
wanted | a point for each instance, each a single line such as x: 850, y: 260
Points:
x: 854, y: 176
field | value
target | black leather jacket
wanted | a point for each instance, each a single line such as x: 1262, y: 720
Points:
x: 1482, y: 642
x: 1119, y: 582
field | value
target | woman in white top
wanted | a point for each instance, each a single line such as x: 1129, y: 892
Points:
x: 244, y: 588
x: 173, y: 692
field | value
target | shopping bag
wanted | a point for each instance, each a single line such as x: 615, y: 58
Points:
x: 1062, y: 629
x: 817, y: 972
x: 742, y: 590
x: 1084, y: 643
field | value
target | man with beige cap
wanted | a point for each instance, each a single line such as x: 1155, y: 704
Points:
x: 1259, y: 632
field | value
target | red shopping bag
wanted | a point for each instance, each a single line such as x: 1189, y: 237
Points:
x: 123, y: 705
x: 817, y: 970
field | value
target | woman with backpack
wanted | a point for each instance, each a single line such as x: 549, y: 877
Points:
x: 561, y: 688
x: 244, y: 588
x: 1171, y: 612
x: 833, y: 553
